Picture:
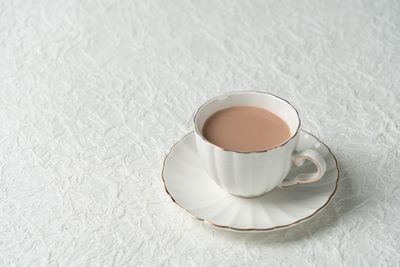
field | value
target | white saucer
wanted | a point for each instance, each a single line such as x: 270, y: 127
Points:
x: 190, y: 188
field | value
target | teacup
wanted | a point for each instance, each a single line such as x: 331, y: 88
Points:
x: 253, y: 173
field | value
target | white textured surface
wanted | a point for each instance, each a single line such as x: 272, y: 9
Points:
x: 93, y: 94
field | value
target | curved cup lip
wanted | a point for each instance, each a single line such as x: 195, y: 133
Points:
x: 198, y: 133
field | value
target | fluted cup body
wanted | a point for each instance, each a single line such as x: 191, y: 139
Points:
x: 252, y: 173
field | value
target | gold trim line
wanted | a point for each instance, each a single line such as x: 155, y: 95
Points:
x: 255, y: 229
x: 246, y: 92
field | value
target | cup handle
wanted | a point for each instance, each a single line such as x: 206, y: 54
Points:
x: 298, y: 159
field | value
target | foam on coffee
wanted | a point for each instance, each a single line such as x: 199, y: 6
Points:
x: 246, y: 129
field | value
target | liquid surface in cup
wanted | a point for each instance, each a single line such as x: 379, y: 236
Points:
x: 245, y: 129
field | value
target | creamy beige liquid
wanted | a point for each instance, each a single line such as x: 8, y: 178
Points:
x: 246, y: 128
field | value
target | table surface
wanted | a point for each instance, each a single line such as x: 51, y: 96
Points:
x: 93, y: 95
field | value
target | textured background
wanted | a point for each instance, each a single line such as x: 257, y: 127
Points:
x: 93, y: 95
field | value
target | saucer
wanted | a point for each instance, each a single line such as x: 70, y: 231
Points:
x: 190, y: 187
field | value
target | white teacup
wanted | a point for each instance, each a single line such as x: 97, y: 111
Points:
x: 250, y: 174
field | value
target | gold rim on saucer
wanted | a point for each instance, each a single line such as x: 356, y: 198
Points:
x: 256, y: 229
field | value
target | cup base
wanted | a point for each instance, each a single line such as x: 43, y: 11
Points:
x: 255, y: 196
